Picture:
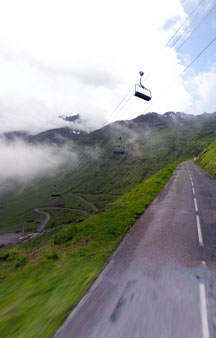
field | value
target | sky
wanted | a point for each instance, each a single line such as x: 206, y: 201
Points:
x: 68, y: 57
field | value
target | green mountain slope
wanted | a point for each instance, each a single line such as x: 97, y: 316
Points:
x: 43, y: 278
x: 207, y: 159
x: 151, y: 142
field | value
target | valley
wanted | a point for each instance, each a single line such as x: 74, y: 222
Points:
x: 84, y: 211
x: 151, y: 142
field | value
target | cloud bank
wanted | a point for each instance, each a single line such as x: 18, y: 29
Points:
x: 22, y: 162
x: 83, y: 57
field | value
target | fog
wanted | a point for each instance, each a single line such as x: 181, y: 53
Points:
x: 22, y: 162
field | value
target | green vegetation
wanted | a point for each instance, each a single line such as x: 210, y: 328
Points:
x: 151, y: 142
x: 61, y: 217
x: 20, y: 208
x: 100, y: 200
x: 207, y: 159
x: 43, y: 278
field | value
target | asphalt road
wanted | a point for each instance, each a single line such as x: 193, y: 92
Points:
x: 161, y: 281
x: 9, y: 238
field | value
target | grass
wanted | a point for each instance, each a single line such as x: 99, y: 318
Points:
x: 42, y: 279
x: 61, y: 217
x: 149, y: 146
x: 20, y: 209
x: 207, y: 159
x: 100, y: 200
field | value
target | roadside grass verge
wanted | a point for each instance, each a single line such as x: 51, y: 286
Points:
x: 207, y: 159
x: 42, y: 279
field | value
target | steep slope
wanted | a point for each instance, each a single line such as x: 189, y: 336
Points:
x: 43, y: 278
x: 207, y: 159
x: 57, y: 136
x: 151, y: 142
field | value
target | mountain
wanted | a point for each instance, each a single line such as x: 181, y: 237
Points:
x: 12, y: 135
x: 62, y: 263
x: 150, y: 142
x: 70, y: 118
x: 56, y: 136
x: 62, y: 135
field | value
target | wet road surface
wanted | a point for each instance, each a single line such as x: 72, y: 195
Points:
x: 161, y: 281
x: 9, y: 238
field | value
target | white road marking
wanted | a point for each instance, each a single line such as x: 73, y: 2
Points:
x: 195, y: 204
x: 199, y: 231
x: 203, y: 311
x: 202, y: 291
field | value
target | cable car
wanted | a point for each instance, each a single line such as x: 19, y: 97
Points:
x: 55, y: 194
x: 141, y: 91
x: 119, y: 149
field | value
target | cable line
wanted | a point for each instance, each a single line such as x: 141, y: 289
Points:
x: 118, y: 108
x: 115, y: 111
x: 185, y: 69
x: 198, y: 26
x: 190, y: 15
x: 185, y: 21
x: 209, y: 44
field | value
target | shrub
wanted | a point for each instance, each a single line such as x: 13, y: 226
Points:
x: 21, y: 261
x: 53, y: 256
x: 4, y: 256
x: 65, y: 235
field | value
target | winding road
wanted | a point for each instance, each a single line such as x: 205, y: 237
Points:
x: 161, y: 281
x: 11, y: 238
x: 87, y: 202
x: 44, y: 222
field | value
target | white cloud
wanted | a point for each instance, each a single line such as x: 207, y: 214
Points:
x: 65, y: 57
x: 203, y: 87
x: 22, y: 162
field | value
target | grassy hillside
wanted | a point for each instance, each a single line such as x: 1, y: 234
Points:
x: 43, y: 278
x: 151, y: 142
x: 207, y: 159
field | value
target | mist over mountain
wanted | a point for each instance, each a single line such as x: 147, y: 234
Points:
x: 87, y: 163
x: 75, y: 128
x: 150, y: 141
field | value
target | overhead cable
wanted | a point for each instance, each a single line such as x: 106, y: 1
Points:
x: 185, y: 69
